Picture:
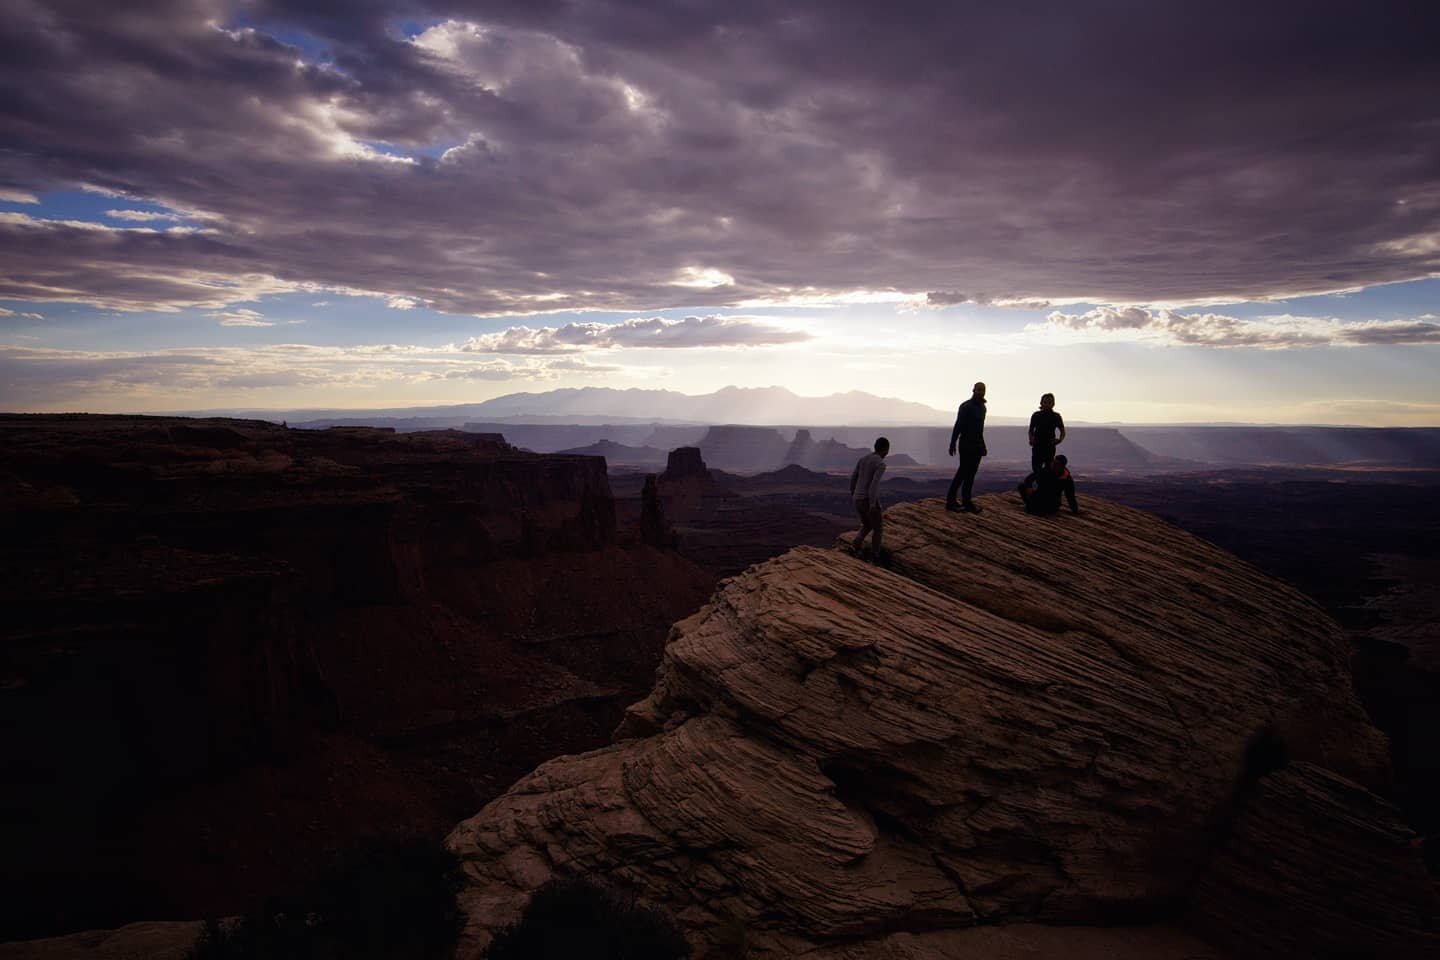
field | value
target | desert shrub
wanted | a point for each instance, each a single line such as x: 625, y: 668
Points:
x: 387, y: 898
x: 575, y: 919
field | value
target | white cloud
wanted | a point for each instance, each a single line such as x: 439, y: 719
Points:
x: 818, y: 297
x: 1424, y: 329
x: 501, y: 369
x: 141, y: 216
x: 703, y: 278
x: 945, y: 298
x: 105, y: 191
x: 17, y: 196
x: 576, y: 365
x: 710, y: 331
x: 242, y: 318
x: 1279, y: 332
x: 403, y: 303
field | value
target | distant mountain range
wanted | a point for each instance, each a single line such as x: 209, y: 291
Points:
x: 766, y: 406
x: 749, y: 405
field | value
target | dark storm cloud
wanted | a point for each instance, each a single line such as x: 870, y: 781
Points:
x: 527, y: 157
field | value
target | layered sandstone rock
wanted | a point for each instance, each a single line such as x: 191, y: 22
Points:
x: 1021, y: 718
x: 1316, y: 866
x: 174, y: 940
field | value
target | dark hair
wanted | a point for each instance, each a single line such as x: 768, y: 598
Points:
x: 1047, y: 396
x: 1061, y: 460
x: 881, y: 443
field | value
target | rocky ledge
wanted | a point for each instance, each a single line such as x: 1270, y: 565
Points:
x: 1094, y: 719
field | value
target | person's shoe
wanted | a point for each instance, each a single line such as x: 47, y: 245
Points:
x: 970, y: 508
x: 881, y: 558
x: 953, y: 507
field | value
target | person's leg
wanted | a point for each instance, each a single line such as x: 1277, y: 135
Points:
x: 1040, y: 456
x: 864, y: 513
x: 955, y: 483
x: 969, y: 466
x: 877, y: 523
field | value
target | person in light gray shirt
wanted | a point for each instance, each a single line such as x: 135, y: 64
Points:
x: 865, y: 494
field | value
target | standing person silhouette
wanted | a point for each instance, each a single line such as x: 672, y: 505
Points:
x: 865, y: 494
x: 970, y: 432
x: 1044, y: 424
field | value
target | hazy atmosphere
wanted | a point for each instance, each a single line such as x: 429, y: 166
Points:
x: 1160, y: 212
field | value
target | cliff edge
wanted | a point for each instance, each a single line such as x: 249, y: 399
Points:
x: 1089, y: 719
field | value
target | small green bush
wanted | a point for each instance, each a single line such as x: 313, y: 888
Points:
x: 574, y: 919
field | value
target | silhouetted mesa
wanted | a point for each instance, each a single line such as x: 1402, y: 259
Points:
x: 743, y: 448
x: 684, y: 463
x: 619, y: 455
x: 1294, y: 446
x: 833, y: 752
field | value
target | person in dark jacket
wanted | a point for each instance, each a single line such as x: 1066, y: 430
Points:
x: 1042, y: 490
x: 970, y: 433
x: 1047, y: 431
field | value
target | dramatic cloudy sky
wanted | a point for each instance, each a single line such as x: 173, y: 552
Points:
x: 1161, y: 211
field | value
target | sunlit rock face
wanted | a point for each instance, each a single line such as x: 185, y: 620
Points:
x: 1065, y: 719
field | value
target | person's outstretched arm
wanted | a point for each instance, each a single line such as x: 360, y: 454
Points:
x: 1069, y: 489
x: 855, y: 477
x: 955, y: 433
x: 1061, y: 422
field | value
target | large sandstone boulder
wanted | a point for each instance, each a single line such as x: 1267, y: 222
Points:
x: 1057, y: 719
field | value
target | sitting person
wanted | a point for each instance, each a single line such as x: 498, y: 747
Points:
x: 1042, y: 489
